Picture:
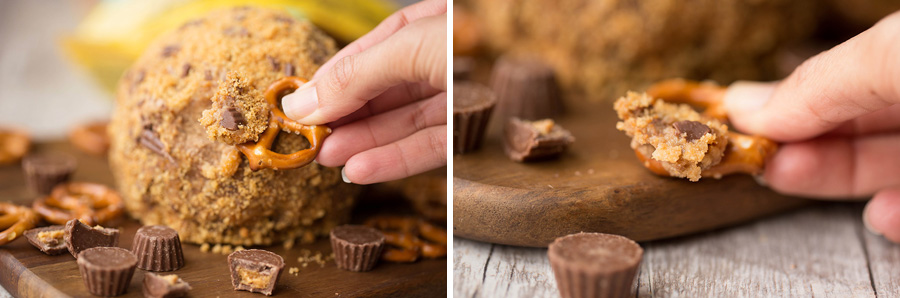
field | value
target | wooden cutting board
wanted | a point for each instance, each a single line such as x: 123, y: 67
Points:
x: 597, y: 186
x: 26, y: 272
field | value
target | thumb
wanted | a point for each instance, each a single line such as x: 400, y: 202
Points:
x: 852, y: 79
x: 882, y: 214
x: 416, y: 53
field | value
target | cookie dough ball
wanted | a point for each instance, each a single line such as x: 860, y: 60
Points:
x: 170, y: 172
x: 682, y: 140
x: 605, y: 47
x: 238, y: 114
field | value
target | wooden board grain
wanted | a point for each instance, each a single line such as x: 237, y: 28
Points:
x: 26, y: 272
x: 598, y: 186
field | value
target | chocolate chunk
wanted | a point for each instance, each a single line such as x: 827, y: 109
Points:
x: 594, y: 264
x: 185, y: 69
x: 164, y: 286
x: 232, y: 118
x: 207, y: 75
x: 237, y: 31
x: 170, y: 50
x: 691, y: 130
x: 80, y: 236
x: 526, y: 88
x: 107, y: 271
x: 535, y: 140
x: 44, y: 171
x: 284, y: 19
x: 472, y: 107
x: 288, y: 69
x: 150, y: 139
x: 274, y: 63
x: 50, y: 240
x: 356, y: 248
x: 255, y: 270
x: 158, y: 248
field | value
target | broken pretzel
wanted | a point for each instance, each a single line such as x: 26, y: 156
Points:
x: 260, y: 154
x: 403, y: 233
x: 14, y: 220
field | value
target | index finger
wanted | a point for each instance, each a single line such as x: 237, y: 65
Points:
x: 855, y: 78
x: 388, y: 27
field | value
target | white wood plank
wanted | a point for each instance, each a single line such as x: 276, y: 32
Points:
x: 815, y: 252
x: 884, y: 264
x: 469, y: 260
x: 518, y: 272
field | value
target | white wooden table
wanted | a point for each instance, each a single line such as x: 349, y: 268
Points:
x: 820, y: 251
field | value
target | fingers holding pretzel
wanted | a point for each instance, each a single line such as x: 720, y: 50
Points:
x: 93, y: 204
x: 672, y: 139
x: 14, y: 220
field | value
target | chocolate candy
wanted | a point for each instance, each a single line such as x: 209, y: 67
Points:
x: 255, y: 270
x: 50, y: 240
x: 535, y: 140
x: 44, y: 171
x: 526, y: 88
x: 158, y: 248
x: 691, y: 130
x: 594, y: 265
x: 232, y: 118
x: 472, y: 107
x: 80, y: 236
x: 106, y: 271
x: 356, y: 248
x: 164, y: 286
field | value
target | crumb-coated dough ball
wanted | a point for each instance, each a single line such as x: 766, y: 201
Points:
x: 168, y: 169
x: 238, y: 114
x: 606, y: 47
x: 685, y: 142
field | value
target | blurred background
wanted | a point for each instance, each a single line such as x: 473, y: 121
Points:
x: 60, y: 60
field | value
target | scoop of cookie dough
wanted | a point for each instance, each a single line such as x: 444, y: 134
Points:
x: 238, y: 114
x: 683, y: 141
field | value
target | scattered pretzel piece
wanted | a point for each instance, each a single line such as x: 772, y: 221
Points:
x: 260, y: 154
x: 91, y: 137
x: 404, y: 233
x: 14, y: 145
x: 91, y: 203
x: 14, y: 221
x: 743, y: 153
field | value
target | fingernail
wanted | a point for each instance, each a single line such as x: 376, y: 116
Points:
x: 302, y: 102
x: 865, y: 220
x: 344, y: 175
x: 761, y: 180
x: 748, y: 96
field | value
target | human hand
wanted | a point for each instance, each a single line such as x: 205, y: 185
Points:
x: 384, y: 96
x: 839, y: 119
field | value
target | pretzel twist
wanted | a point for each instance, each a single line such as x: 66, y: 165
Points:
x: 14, y: 221
x: 91, y: 203
x: 743, y: 154
x: 260, y: 154
x: 403, y: 233
x: 14, y: 144
x: 91, y: 137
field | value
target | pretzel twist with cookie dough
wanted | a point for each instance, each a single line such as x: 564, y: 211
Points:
x: 744, y: 153
x: 260, y: 154
x: 404, y: 233
x: 91, y: 203
x: 14, y: 220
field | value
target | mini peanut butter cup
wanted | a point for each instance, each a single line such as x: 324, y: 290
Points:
x: 472, y: 107
x: 164, y: 286
x: 80, y: 236
x: 45, y: 171
x: 356, y: 248
x: 594, y: 265
x: 106, y: 271
x: 158, y: 248
x: 50, y: 240
x: 525, y: 88
x: 535, y: 140
x: 255, y: 270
